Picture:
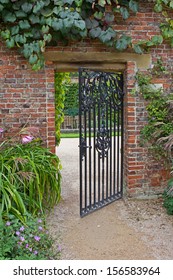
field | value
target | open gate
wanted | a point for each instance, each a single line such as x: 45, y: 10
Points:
x: 101, y: 138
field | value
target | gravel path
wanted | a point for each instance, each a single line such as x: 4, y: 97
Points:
x: 125, y: 229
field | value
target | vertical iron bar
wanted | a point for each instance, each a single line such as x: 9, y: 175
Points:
x: 80, y: 140
x: 122, y: 135
x: 118, y: 149
x: 94, y: 152
x: 86, y: 181
x: 90, y: 162
x: 107, y: 127
x: 98, y: 157
x: 115, y: 151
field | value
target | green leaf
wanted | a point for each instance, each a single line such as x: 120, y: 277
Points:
x: 68, y: 2
x: 47, y: 12
x: 137, y: 49
x: 45, y: 29
x: 1, y: 8
x: 123, y: 42
x: 157, y: 40
x: 91, y: 23
x: 4, y: 1
x: 95, y: 32
x: 78, y: 3
x: 107, y: 35
x: 38, y: 6
x: 68, y: 23
x: 5, y: 34
x: 80, y: 24
x: 47, y: 37
x: 20, y: 14
x: 33, y: 59
x: 20, y: 39
x: 109, y: 18
x: 102, y: 3
x: 10, y: 43
x: 15, y: 30
x: 27, y: 50
x: 57, y: 10
x: 24, y: 24
x: 133, y: 5
x: 34, y: 19
x: 9, y: 17
x: 124, y: 12
x: 98, y: 15
x: 158, y: 8
x: 27, y: 7
x: 57, y: 25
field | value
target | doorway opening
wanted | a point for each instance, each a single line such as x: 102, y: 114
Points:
x: 97, y: 120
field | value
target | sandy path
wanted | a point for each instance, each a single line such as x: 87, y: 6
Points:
x: 123, y: 230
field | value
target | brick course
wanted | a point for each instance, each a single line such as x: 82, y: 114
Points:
x: 27, y: 98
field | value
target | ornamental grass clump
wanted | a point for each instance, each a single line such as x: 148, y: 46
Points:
x: 31, y: 241
x: 168, y: 197
x: 29, y: 178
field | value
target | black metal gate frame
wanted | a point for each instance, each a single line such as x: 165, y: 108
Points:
x: 101, y: 139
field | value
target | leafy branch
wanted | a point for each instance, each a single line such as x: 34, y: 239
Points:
x: 33, y: 25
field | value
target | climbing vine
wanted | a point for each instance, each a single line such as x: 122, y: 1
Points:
x: 158, y: 132
x: 33, y: 25
x: 61, y: 81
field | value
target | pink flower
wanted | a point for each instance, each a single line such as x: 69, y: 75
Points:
x: 37, y: 238
x: 39, y: 221
x: 17, y: 233
x: 59, y: 248
x: 8, y: 223
x: 27, y: 139
x: 1, y: 130
x: 22, y: 238
x: 27, y: 245
x: 35, y: 252
x: 40, y: 228
x: 22, y: 228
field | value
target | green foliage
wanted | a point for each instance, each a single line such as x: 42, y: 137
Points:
x: 61, y: 81
x: 33, y: 25
x: 168, y: 197
x: 71, y: 104
x: 159, y: 130
x: 29, y: 241
x: 29, y: 179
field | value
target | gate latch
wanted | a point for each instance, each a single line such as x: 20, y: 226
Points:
x: 83, y: 148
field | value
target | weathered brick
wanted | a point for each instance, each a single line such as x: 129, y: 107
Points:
x: 28, y: 97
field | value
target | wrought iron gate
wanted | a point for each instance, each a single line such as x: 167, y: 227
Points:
x: 101, y: 139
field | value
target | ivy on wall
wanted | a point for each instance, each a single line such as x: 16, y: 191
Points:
x: 33, y: 25
x: 157, y: 134
x: 61, y: 81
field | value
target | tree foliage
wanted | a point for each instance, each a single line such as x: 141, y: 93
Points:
x: 32, y: 25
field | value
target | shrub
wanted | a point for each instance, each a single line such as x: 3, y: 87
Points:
x: 29, y: 178
x: 168, y: 197
x: 30, y: 241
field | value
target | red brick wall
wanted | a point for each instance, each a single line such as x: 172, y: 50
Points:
x: 27, y: 98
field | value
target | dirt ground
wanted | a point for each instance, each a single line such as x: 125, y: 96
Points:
x: 126, y: 229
